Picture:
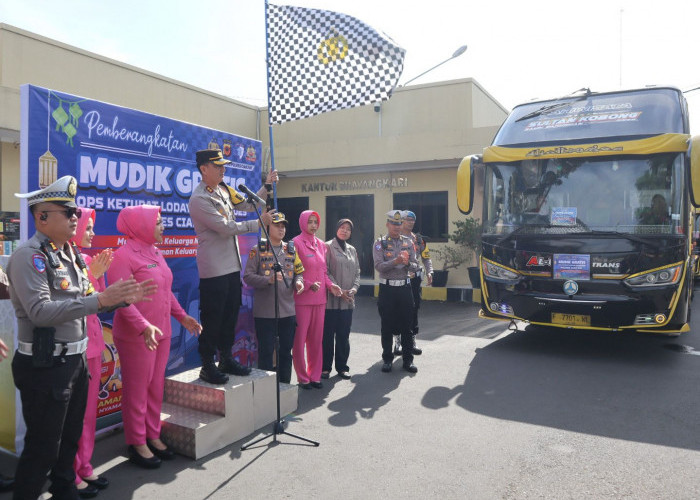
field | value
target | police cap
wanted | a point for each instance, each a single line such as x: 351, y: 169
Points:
x: 394, y: 217
x: 211, y: 155
x: 62, y: 191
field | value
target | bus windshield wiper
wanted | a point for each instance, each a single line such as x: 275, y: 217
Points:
x: 627, y: 236
x: 519, y: 230
x: 556, y: 105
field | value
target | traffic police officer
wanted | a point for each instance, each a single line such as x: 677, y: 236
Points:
x: 51, y: 294
x: 394, y: 258
x: 419, y: 243
x: 219, y: 263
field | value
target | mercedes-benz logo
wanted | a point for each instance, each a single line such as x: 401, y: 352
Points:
x: 570, y: 287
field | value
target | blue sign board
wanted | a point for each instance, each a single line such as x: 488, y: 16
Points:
x: 123, y: 157
x: 572, y: 266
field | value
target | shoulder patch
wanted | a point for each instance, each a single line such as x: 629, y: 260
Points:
x: 39, y: 262
x: 378, y: 246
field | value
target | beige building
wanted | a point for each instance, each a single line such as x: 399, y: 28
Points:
x: 356, y: 163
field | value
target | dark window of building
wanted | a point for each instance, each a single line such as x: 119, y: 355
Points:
x: 292, y: 209
x: 359, y: 209
x: 431, y: 212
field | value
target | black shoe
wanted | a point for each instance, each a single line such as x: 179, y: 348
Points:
x: 100, y: 482
x: 89, y: 491
x: 230, y: 365
x: 410, y: 368
x: 317, y: 385
x: 166, y: 454
x: 147, y: 463
x: 344, y: 375
x: 6, y: 483
x: 386, y: 367
x: 305, y: 386
x: 414, y: 349
x: 211, y: 374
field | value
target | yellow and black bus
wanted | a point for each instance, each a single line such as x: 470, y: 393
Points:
x: 589, y: 212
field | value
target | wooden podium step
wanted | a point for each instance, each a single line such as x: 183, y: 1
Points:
x: 199, y: 418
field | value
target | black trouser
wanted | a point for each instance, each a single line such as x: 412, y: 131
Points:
x: 415, y: 288
x: 265, y: 330
x: 219, y: 303
x: 395, y: 304
x: 336, y: 325
x: 53, y: 407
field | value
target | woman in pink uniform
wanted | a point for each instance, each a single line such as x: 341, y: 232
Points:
x: 142, y: 333
x: 310, y: 303
x: 86, y: 480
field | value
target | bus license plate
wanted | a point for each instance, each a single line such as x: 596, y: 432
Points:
x: 571, y: 319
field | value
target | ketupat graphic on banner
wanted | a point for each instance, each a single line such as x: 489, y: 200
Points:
x: 122, y: 157
x: 321, y: 61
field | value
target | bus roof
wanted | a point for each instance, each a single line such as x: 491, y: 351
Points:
x: 587, y: 117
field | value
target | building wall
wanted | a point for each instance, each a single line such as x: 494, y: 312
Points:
x: 420, y: 134
x: 29, y: 58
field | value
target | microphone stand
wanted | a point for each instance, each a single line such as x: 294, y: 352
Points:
x: 277, y: 426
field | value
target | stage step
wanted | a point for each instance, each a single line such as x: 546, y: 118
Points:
x: 200, y: 418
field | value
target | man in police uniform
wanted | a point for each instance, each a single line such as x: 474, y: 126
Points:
x: 419, y: 243
x: 394, y: 259
x: 51, y: 295
x: 212, y: 206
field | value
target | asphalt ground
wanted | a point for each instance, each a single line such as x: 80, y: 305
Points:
x: 490, y: 414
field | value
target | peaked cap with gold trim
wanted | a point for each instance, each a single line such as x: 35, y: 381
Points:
x: 62, y: 191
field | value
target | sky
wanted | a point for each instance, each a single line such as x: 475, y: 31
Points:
x: 518, y: 51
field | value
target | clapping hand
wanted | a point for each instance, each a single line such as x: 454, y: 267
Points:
x: 101, y: 262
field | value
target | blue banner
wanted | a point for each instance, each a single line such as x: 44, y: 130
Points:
x: 123, y: 157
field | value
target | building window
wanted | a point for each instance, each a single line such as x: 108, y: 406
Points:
x: 431, y: 212
x: 292, y: 209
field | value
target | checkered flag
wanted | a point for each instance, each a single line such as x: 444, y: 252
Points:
x: 321, y: 61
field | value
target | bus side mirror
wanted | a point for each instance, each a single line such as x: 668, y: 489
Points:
x: 695, y: 171
x: 465, y: 182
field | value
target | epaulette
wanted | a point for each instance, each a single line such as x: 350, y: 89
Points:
x: 263, y: 245
x: 384, y: 242
x: 50, y: 255
x: 290, y: 247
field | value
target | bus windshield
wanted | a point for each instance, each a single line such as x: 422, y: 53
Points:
x: 636, y: 195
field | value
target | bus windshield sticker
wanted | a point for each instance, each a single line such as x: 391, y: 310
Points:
x: 563, y: 216
x: 572, y: 266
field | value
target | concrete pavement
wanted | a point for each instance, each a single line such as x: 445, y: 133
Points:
x: 489, y: 415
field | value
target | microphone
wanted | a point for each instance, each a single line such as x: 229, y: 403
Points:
x: 251, y: 195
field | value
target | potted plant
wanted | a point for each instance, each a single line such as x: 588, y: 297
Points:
x: 467, y: 246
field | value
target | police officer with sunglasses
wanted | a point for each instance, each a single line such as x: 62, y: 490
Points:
x: 51, y: 294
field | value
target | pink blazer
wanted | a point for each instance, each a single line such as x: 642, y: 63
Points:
x: 140, y: 258
x: 96, y: 343
x: 312, y: 253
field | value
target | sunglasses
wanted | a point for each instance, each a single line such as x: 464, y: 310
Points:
x: 68, y: 212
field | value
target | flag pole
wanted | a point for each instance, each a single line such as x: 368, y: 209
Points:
x: 278, y: 425
x: 269, y: 122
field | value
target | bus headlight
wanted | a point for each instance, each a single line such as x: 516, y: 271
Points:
x: 666, y: 276
x: 500, y: 273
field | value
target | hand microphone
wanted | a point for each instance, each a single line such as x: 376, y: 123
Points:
x: 251, y: 195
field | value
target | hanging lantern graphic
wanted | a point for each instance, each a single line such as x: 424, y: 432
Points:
x: 48, y: 169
